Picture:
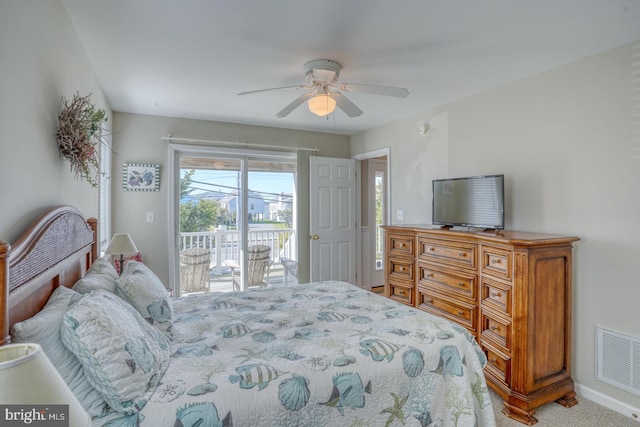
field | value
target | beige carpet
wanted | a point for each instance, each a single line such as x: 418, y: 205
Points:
x: 585, y: 414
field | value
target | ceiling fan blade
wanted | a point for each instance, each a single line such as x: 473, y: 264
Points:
x: 250, y: 92
x: 295, y: 104
x: 400, y: 92
x: 345, y: 105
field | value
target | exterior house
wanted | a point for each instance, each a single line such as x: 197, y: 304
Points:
x: 278, y: 209
x: 257, y: 209
x: 566, y: 138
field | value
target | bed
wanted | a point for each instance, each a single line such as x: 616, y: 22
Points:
x: 319, y: 354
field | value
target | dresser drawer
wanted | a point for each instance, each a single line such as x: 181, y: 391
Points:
x: 496, y: 330
x: 401, y: 292
x: 498, y: 364
x: 458, y: 311
x: 400, y: 268
x: 497, y: 262
x: 447, y: 281
x: 496, y: 296
x: 448, y: 252
x: 401, y: 245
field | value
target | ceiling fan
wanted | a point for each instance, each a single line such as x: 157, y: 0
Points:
x: 324, y: 92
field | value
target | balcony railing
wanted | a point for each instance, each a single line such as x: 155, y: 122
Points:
x: 225, y: 244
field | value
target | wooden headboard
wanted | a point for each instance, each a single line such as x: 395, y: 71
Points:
x: 56, y: 250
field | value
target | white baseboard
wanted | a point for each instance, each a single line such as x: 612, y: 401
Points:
x: 608, y: 402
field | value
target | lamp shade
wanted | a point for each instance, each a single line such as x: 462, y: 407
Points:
x: 29, y: 379
x: 322, y: 104
x: 121, y: 244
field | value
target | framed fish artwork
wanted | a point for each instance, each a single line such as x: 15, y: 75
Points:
x: 140, y: 177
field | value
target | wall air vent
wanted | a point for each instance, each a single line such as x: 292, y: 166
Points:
x: 618, y: 360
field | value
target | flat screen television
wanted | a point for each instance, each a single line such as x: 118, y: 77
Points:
x: 474, y: 201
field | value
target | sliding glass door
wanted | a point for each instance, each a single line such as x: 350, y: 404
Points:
x: 235, y: 211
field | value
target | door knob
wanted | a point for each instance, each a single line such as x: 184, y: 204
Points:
x: 315, y: 237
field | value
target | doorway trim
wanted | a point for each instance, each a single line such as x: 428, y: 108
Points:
x: 385, y: 151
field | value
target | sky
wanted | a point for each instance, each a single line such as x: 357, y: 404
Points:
x: 225, y: 181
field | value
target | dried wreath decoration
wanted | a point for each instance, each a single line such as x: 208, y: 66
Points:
x: 78, y: 135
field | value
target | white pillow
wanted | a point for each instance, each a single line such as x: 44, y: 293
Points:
x: 141, y: 288
x: 44, y: 329
x: 122, y: 355
x: 101, y: 275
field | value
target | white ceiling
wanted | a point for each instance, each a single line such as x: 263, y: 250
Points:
x: 190, y: 58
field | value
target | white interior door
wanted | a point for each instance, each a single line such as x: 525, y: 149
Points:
x: 332, y: 219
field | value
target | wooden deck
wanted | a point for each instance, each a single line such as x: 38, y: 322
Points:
x: 222, y: 282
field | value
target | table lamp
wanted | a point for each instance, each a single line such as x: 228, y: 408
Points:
x: 30, y: 382
x: 121, y: 244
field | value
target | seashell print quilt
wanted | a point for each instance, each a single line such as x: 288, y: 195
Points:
x: 320, y: 354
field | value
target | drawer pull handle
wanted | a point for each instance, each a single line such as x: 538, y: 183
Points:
x: 431, y: 249
x: 494, y: 328
x: 401, y: 245
x: 429, y: 300
x: 430, y: 275
x: 400, y: 268
x: 492, y: 360
x: 496, y: 261
x: 460, y: 312
x: 462, y: 254
x: 496, y: 294
x: 461, y: 284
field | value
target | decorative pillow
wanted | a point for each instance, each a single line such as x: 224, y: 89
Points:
x: 122, y: 355
x: 141, y: 288
x: 44, y: 329
x: 101, y: 275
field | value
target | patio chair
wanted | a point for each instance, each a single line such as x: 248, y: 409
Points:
x: 195, y: 264
x: 290, y: 270
x: 258, y: 263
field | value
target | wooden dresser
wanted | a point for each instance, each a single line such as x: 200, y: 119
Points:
x: 511, y: 290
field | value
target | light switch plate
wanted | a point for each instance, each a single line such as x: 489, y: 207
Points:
x: 151, y: 216
x: 400, y: 215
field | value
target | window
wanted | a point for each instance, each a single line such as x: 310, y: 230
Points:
x: 240, y: 187
x: 379, y: 209
x: 104, y: 188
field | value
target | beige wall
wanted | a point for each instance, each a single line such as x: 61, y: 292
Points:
x: 42, y: 60
x: 137, y: 139
x: 414, y: 161
x: 563, y: 139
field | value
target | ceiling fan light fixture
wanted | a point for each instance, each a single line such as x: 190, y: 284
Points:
x: 323, y: 94
x: 322, y: 105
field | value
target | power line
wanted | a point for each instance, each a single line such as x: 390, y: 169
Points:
x: 285, y: 198
x: 236, y: 188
